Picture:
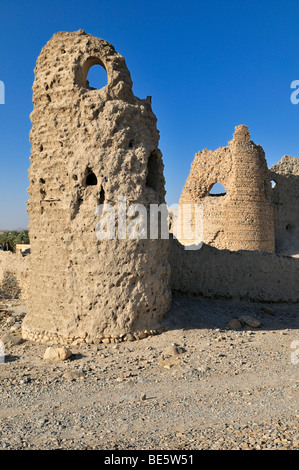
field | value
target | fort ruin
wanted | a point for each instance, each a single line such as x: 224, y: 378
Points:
x: 91, y: 146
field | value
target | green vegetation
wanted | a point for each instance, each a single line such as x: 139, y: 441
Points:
x: 9, y: 240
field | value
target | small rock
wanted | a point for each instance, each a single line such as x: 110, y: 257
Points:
x: 11, y: 340
x: 143, y: 397
x: 268, y: 310
x: 173, y: 350
x: 57, y: 354
x: 106, y: 341
x: 25, y: 380
x: 74, y: 375
x: 129, y: 337
x: 128, y: 374
x: 250, y: 321
x: 16, y: 326
x: 235, y: 324
x: 140, y: 335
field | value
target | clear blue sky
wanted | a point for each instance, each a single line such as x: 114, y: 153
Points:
x: 208, y: 65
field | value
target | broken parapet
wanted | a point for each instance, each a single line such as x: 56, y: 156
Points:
x: 243, y: 217
x: 88, y: 148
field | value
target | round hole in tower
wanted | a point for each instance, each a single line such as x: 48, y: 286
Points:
x: 97, y: 77
x: 217, y: 190
x: 93, y: 74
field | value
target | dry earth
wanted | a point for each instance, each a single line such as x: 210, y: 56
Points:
x: 217, y: 388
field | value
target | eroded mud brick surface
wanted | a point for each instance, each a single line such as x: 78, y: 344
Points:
x: 88, y: 148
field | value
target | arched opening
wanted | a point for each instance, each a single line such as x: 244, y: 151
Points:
x: 273, y: 184
x: 217, y: 190
x: 97, y: 77
x: 152, y: 177
x: 91, y: 179
x: 93, y: 74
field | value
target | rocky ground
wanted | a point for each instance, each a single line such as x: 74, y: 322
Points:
x: 200, y: 384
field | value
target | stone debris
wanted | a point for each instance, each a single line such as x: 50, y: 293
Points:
x: 9, y: 287
x: 11, y: 340
x: 74, y: 375
x: 268, y: 310
x: 250, y: 321
x: 235, y: 324
x: 57, y: 354
x: 222, y: 392
x: 173, y: 350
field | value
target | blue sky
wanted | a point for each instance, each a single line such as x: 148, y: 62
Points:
x: 208, y: 65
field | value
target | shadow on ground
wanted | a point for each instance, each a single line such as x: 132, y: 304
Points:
x: 191, y: 312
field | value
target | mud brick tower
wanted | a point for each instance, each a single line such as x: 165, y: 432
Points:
x: 243, y: 217
x: 89, y: 147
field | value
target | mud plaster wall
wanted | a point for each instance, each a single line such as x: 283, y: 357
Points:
x: 19, y: 266
x: 89, y: 147
x: 243, y: 218
x: 255, y: 275
x: 209, y: 272
x: 285, y: 174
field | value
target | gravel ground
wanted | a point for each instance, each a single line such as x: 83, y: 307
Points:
x: 198, y: 385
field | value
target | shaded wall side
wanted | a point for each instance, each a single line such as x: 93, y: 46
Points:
x: 286, y: 204
x: 255, y: 275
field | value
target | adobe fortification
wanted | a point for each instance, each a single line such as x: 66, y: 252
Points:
x: 243, y: 218
x: 98, y: 147
x: 88, y: 148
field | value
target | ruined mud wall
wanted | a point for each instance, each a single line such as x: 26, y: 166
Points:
x: 88, y: 148
x: 15, y: 267
x: 254, y: 275
x: 241, y: 219
x: 285, y: 174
